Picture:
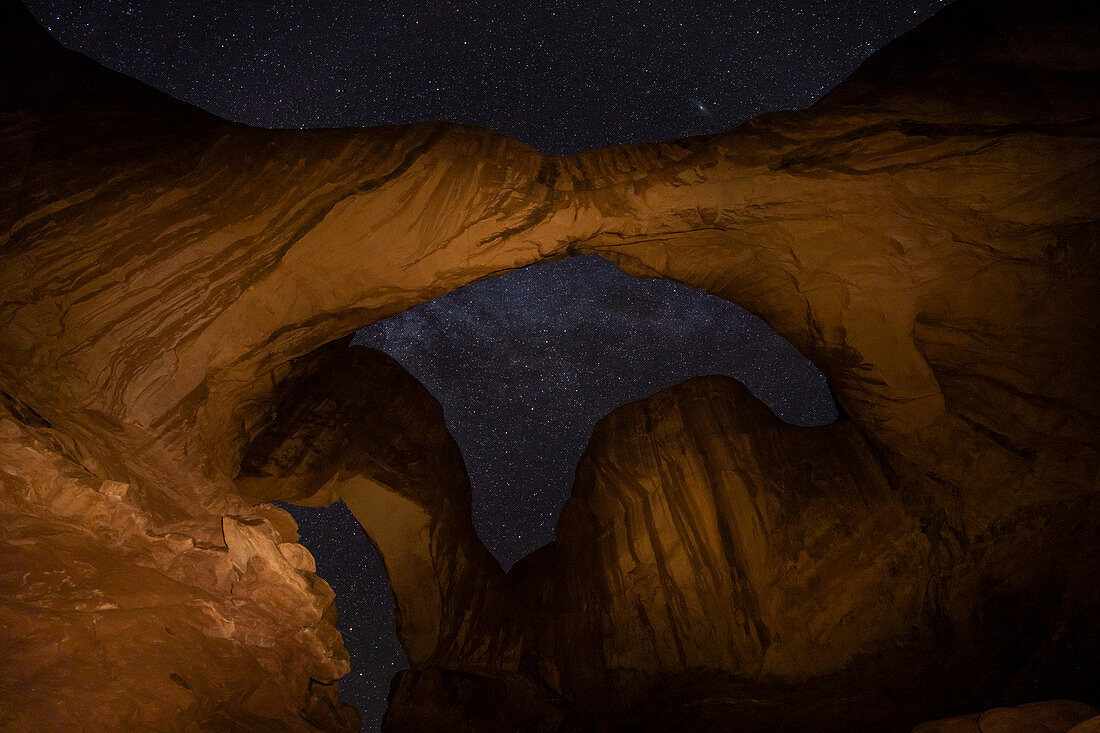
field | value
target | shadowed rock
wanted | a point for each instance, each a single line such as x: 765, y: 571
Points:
x: 926, y: 234
x: 1055, y: 716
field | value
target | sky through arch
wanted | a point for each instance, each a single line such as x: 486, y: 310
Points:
x: 526, y: 363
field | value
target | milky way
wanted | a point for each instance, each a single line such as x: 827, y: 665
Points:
x: 523, y: 365
x: 526, y: 364
x: 562, y: 76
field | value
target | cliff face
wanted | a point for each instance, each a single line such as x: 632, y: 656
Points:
x: 174, y: 289
x: 727, y: 539
x: 715, y: 564
x: 113, y: 620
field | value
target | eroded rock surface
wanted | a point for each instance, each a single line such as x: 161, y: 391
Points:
x: 1053, y: 716
x: 927, y: 234
x: 727, y: 539
x: 352, y: 424
x: 115, y: 622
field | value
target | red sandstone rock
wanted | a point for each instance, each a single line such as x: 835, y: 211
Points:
x: 1055, y: 716
x: 353, y: 424
x: 113, y: 622
x: 926, y: 234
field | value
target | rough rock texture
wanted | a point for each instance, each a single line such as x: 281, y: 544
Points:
x: 927, y: 234
x: 1054, y: 716
x: 728, y: 539
x: 114, y: 622
x: 353, y: 424
x: 716, y: 565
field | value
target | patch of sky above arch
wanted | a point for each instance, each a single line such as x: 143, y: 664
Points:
x: 526, y: 364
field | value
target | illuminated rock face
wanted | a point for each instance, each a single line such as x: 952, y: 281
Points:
x: 926, y: 234
x: 352, y: 424
x: 117, y: 621
x: 728, y: 539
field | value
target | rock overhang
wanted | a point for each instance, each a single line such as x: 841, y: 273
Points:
x: 926, y: 237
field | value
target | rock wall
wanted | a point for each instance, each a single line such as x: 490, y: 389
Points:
x: 715, y: 564
x: 727, y: 539
x: 115, y: 621
x: 926, y: 234
x: 352, y: 424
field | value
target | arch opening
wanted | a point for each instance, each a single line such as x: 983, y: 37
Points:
x: 524, y: 365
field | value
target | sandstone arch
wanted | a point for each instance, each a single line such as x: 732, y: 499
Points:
x: 926, y: 234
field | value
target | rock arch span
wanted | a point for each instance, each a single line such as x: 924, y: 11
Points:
x: 926, y: 235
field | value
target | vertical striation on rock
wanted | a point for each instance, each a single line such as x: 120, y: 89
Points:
x: 727, y: 539
x: 174, y: 289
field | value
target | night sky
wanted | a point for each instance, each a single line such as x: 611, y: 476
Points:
x: 525, y: 364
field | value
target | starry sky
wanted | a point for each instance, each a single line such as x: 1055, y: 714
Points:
x: 525, y: 364
x: 561, y: 75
